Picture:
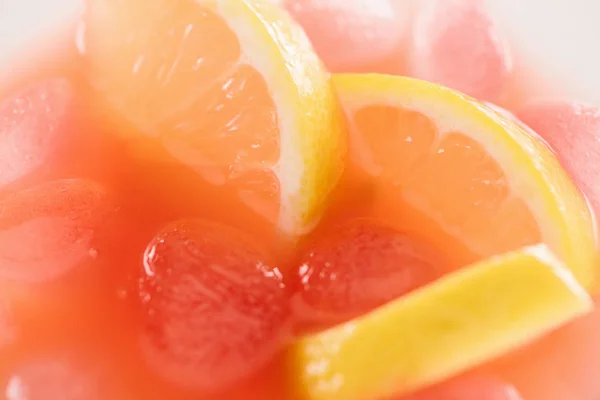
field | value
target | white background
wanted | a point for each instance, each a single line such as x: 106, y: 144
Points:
x: 560, y: 39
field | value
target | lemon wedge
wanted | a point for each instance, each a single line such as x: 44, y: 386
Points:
x: 440, y: 330
x: 472, y: 174
x: 231, y: 88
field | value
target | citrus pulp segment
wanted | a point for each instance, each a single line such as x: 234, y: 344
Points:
x: 481, y: 178
x: 440, y: 330
x: 230, y: 88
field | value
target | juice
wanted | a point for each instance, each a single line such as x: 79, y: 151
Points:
x: 152, y: 244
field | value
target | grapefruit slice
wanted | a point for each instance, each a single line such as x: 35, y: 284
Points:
x: 231, y: 88
x: 440, y: 330
x: 470, y: 180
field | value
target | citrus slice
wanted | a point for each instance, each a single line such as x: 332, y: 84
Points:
x: 231, y: 88
x: 440, y: 330
x: 470, y: 180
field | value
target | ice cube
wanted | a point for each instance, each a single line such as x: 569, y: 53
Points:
x: 348, y: 34
x: 359, y: 266
x: 48, y: 230
x: 456, y: 43
x: 34, y: 128
x: 215, y: 308
x: 572, y: 130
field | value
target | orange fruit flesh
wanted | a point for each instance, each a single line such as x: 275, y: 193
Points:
x: 444, y: 187
x: 225, y: 128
